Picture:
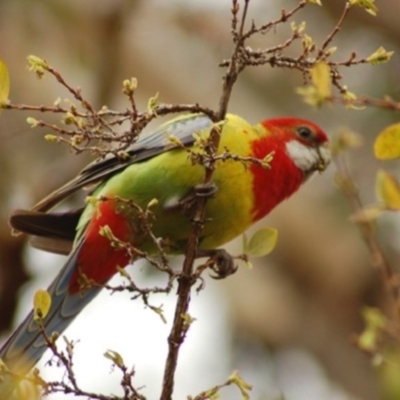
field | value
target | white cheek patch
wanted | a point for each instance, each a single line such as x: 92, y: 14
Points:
x: 303, y: 157
x: 306, y: 158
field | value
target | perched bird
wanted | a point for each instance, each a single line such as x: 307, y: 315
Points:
x: 161, y: 168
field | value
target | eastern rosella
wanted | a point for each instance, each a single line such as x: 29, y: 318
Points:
x: 160, y: 168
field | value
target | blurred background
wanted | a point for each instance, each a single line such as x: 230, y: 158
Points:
x: 287, y: 324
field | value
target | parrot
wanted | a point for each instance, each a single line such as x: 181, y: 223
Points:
x: 159, y: 169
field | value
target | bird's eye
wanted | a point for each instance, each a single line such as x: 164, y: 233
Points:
x: 304, y: 132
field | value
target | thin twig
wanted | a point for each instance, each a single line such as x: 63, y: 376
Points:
x: 334, y: 32
x: 186, y: 279
x: 368, y: 233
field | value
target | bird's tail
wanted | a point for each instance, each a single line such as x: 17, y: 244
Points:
x: 27, y: 344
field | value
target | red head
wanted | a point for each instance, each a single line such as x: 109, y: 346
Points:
x: 299, y: 148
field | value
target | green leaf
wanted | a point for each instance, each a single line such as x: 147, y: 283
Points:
x: 4, y: 84
x: 387, y: 144
x: 261, y: 243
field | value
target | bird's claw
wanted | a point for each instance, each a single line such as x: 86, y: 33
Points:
x: 199, y: 191
x: 221, y: 262
x: 205, y: 189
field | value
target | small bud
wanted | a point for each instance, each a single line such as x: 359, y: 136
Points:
x: 129, y: 86
x: 115, y: 357
x: 380, y: 56
x: 241, y: 384
x: 37, y: 65
x: 298, y: 29
x: 307, y: 42
x: 54, y: 336
x: 174, y: 140
x: 330, y: 51
x: 187, y: 319
x: 349, y: 98
x: 106, y: 232
x: 123, y: 155
x: 77, y: 140
x: 368, y: 6
x: 69, y: 119
x: 152, y: 103
x: 51, y: 138
x: 32, y: 122
x: 123, y: 272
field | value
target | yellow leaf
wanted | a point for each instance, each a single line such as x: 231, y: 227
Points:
x: 321, y: 77
x: 387, y: 144
x: 388, y: 190
x: 4, y: 83
x: 316, y: 94
x: 41, y: 303
x: 261, y: 243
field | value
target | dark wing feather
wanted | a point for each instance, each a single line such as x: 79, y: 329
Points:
x: 57, y: 225
x: 54, y: 232
x: 146, y: 147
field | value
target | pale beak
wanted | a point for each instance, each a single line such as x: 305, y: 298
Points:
x: 324, y: 154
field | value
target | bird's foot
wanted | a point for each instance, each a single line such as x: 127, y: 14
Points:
x: 220, y: 261
x: 203, y: 190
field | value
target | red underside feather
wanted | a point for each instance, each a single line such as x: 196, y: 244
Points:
x: 97, y: 260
